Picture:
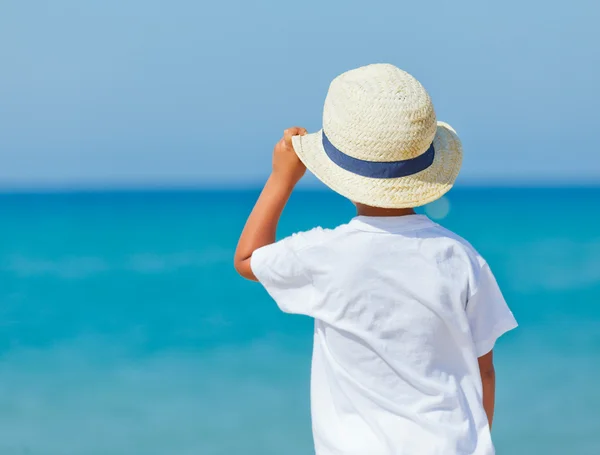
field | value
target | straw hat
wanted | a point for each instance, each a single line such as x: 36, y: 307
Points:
x: 381, y: 144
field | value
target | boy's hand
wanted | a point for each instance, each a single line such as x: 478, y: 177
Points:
x: 286, y: 164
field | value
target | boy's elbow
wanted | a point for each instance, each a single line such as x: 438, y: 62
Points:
x: 488, y: 374
x: 243, y: 268
x: 238, y: 265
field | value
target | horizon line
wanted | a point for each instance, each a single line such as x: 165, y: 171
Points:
x: 88, y: 189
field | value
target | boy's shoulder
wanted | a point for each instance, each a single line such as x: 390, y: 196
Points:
x: 320, y: 237
x: 462, y: 243
x: 452, y: 245
x: 317, y: 236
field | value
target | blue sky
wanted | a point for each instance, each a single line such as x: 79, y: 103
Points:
x: 119, y: 93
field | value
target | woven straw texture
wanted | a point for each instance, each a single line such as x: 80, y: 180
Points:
x: 381, y: 113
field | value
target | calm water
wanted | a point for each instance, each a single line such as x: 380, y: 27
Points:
x: 124, y: 329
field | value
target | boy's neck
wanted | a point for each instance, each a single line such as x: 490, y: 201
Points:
x: 366, y: 210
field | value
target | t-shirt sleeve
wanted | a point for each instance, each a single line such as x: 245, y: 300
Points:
x: 280, y: 269
x: 488, y: 313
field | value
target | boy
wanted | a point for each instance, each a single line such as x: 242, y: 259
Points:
x: 406, y: 313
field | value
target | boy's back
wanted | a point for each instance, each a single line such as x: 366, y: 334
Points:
x: 403, y: 308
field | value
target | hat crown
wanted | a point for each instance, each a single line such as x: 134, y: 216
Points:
x: 379, y: 113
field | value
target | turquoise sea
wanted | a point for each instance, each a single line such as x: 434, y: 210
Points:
x: 124, y: 329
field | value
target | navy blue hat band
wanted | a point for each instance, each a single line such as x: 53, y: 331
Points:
x: 378, y: 169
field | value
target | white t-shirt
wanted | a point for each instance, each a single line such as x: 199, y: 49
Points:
x: 403, y: 308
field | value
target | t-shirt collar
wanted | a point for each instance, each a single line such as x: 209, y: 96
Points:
x: 391, y: 223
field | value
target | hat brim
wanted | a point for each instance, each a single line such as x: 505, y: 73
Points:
x: 411, y: 191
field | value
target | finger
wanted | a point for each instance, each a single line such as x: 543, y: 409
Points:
x: 295, y: 131
x: 287, y: 134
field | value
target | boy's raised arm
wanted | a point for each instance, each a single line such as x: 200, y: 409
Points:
x: 261, y: 226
